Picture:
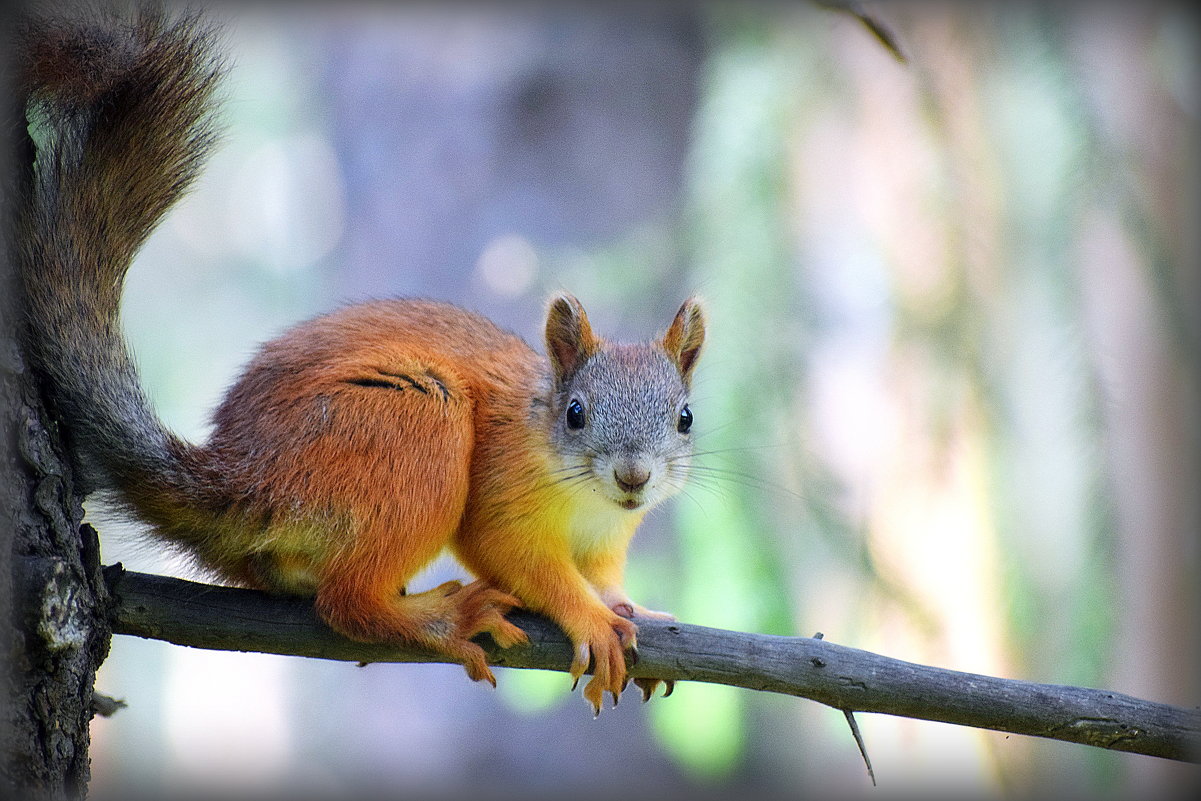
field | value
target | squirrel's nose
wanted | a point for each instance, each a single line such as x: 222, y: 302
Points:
x: 631, y: 478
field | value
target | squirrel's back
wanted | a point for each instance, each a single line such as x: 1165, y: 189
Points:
x: 437, y: 353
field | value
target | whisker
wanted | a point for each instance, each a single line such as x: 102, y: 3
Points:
x: 711, y: 485
x: 710, y: 470
x: 730, y: 449
x: 684, y: 486
x: 711, y: 474
x: 686, y: 493
x: 568, y: 468
x: 570, y: 477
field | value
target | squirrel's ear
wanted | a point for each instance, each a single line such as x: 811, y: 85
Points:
x: 685, y: 336
x: 569, y: 338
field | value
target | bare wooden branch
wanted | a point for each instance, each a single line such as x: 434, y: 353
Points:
x: 223, y: 618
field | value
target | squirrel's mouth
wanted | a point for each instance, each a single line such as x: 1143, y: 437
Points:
x: 629, y: 503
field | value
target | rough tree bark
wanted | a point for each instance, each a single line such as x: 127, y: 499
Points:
x: 55, y: 634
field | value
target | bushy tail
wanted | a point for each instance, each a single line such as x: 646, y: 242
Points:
x: 120, y: 115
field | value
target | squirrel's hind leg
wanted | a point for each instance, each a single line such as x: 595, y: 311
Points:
x: 401, y: 469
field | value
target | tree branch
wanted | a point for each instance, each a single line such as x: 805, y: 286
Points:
x: 224, y: 618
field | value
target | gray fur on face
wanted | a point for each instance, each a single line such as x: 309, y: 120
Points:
x: 632, y: 397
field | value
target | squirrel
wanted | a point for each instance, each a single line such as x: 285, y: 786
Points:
x: 359, y: 445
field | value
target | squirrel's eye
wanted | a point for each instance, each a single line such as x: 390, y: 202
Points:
x: 685, y: 420
x: 575, y: 415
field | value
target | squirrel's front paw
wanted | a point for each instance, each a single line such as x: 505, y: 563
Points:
x: 604, y: 651
x: 628, y: 609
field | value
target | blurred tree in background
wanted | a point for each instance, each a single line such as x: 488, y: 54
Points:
x: 948, y: 410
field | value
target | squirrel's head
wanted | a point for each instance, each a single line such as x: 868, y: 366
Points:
x: 621, y: 423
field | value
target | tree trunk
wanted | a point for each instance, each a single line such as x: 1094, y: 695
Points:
x: 52, y: 622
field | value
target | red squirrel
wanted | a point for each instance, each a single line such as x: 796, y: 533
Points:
x: 358, y: 445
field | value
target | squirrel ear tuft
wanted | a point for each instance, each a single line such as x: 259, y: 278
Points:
x: 685, y: 336
x: 569, y: 338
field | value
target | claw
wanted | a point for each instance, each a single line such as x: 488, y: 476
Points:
x: 582, y: 660
x: 595, y: 695
x: 628, y: 640
x: 648, y: 687
x: 476, y: 666
x: 579, y: 664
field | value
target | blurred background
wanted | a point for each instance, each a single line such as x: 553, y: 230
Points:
x: 948, y: 409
